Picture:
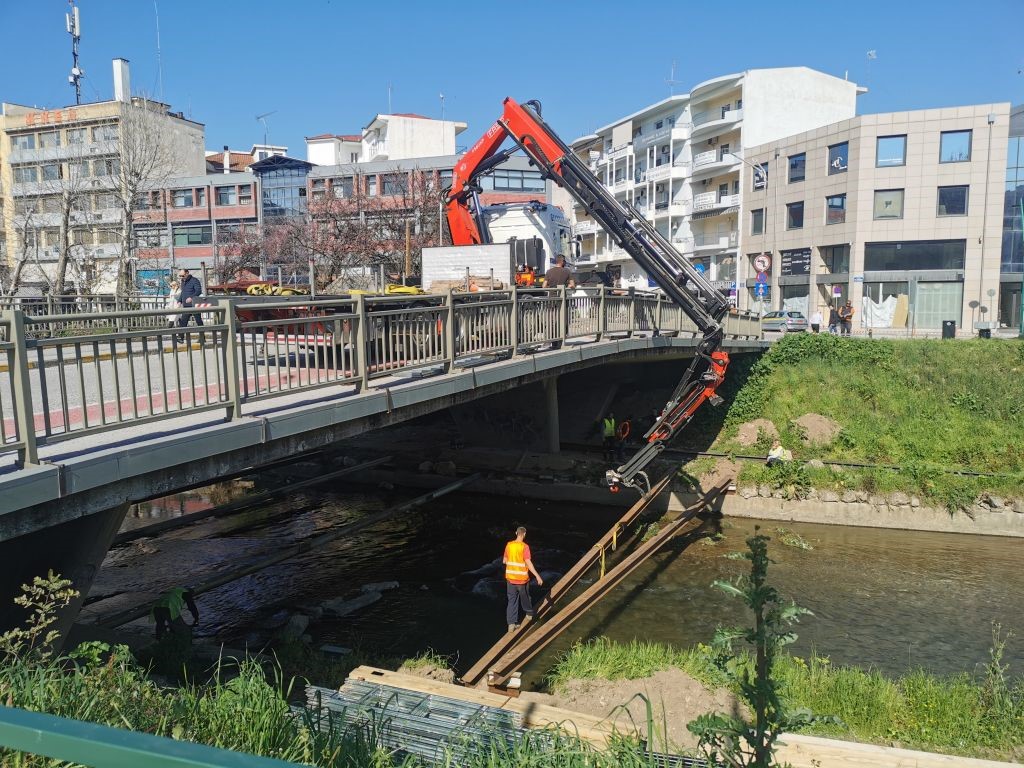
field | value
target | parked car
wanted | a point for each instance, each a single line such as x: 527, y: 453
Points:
x: 782, y: 322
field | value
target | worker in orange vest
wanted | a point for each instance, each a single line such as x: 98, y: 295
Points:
x: 518, y: 567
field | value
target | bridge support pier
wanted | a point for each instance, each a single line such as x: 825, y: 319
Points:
x: 74, y: 550
x: 554, y: 439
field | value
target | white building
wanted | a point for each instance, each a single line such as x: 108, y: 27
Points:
x: 679, y: 162
x: 402, y: 136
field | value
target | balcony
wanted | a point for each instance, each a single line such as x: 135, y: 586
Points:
x: 621, y: 184
x: 715, y: 241
x: 645, y: 140
x: 680, y: 133
x: 704, y: 158
x: 659, y: 173
x: 707, y: 201
x: 585, y: 227
x: 713, y: 162
x: 708, y: 122
x: 620, y: 151
x: 680, y: 208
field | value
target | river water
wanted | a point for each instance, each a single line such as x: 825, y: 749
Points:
x: 892, y: 600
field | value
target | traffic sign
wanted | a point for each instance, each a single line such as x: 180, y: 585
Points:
x: 837, y: 290
x: 763, y: 262
x: 700, y: 267
x: 761, y: 290
x: 762, y: 277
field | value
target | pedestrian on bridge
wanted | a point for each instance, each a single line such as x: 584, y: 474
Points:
x: 518, y: 567
x: 189, y: 293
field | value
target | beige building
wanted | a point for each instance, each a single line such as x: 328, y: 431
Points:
x: 63, y: 176
x: 900, y: 213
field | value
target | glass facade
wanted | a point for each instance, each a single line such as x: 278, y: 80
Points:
x: 914, y: 255
x: 283, y: 186
x: 1013, y: 209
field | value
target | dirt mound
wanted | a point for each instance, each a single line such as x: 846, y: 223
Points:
x: 676, y: 699
x: 724, y: 473
x: 749, y: 431
x: 429, y: 671
x: 818, y: 429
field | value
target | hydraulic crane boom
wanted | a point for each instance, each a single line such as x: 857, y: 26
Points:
x: 687, y: 287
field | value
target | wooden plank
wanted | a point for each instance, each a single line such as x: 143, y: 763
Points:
x: 814, y: 752
x: 588, y: 727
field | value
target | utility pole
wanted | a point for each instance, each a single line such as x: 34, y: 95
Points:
x: 74, y: 28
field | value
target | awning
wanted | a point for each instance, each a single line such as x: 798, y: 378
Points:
x: 715, y: 212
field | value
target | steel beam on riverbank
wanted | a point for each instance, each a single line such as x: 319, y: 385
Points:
x: 287, y: 553
x: 500, y: 670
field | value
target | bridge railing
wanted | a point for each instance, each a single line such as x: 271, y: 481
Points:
x: 63, y: 376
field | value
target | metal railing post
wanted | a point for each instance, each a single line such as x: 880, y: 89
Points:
x: 632, y: 312
x: 656, y: 331
x: 21, y: 388
x: 449, y: 332
x: 563, y: 314
x: 360, y: 346
x: 232, y: 373
x: 602, y: 316
x: 514, y: 319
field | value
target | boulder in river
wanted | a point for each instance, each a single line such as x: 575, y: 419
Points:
x: 343, y: 606
x: 379, y: 586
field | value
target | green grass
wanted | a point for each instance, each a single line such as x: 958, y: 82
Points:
x: 958, y: 715
x: 926, y: 406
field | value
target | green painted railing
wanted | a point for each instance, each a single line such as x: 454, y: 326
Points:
x: 103, y: 747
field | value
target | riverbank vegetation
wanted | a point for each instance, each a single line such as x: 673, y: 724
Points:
x: 979, y: 715
x: 918, y: 411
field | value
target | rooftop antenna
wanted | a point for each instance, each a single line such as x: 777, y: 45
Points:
x: 389, y: 97
x: 159, y: 59
x: 672, y: 82
x: 74, y: 28
x: 263, y: 119
x: 441, y: 96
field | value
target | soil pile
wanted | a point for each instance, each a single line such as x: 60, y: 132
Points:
x: 817, y: 429
x: 750, y: 431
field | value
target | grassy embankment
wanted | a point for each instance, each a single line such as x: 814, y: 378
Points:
x: 929, y: 407
x: 979, y: 716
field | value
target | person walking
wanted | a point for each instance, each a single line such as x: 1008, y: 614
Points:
x: 190, y: 291
x: 173, y: 303
x: 833, y: 321
x: 816, y: 321
x: 518, y: 567
x: 846, y: 317
x: 168, y: 609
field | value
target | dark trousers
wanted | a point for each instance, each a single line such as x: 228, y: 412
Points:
x: 518, y: 595
x: 610, y: 448
x: 183, y: 319
x: 847, y: 327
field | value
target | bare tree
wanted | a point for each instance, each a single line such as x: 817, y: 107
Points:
x: 145, y: 160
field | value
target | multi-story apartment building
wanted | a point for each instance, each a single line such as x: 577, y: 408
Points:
x: 680, y: 162
x: 901, y: 213
x: 62, y: 180
x: 402, y: 136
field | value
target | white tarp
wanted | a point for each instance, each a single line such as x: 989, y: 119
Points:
x: 796, y: 304
x: 879, y: 315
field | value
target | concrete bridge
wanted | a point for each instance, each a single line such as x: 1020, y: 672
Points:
x: 101, y: 410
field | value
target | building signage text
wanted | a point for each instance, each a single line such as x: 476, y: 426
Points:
x: 51, y: 116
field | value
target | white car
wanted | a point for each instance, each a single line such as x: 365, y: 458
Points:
x: 782, y: 321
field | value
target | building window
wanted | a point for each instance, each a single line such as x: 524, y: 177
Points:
x: 182, y: 198
x: 797, y: 167
x: 914, y: 255
x: 79, y: 169
x: 371, y: 186
x: 108, y: 167
x: 445, y: 178
x: 835, y: 209
x: 394, y: 183
x: 185, y: 236
x: 245, y: 194
x: 151, y: 238
x: 525, y: 181
x: 838, y: 158
x: 226, y: 195
x: 105, y: 132
x: 76, y: 136
x: 955, y: 147
x: 25, y: 174
x: 952, y: 201
x: 23, y: 141
x: 342, y: 187
x: 836, y: 258
x: 200, y: 196
x: 795, y: 215
x: 888, y: 203
x: 658, y: 125
x: 49, y: 139
x: 890, y: 151
x: 760, y: 176
x: 757, y: 221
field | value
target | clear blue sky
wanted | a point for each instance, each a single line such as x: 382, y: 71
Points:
x: 324, y: 65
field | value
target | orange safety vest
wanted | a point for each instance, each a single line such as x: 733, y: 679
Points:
x: 515, y: 563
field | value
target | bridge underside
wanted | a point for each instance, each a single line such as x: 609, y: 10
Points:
x: 62, y: 516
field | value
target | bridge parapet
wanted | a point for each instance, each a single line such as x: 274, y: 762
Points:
x: 64, y: 376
